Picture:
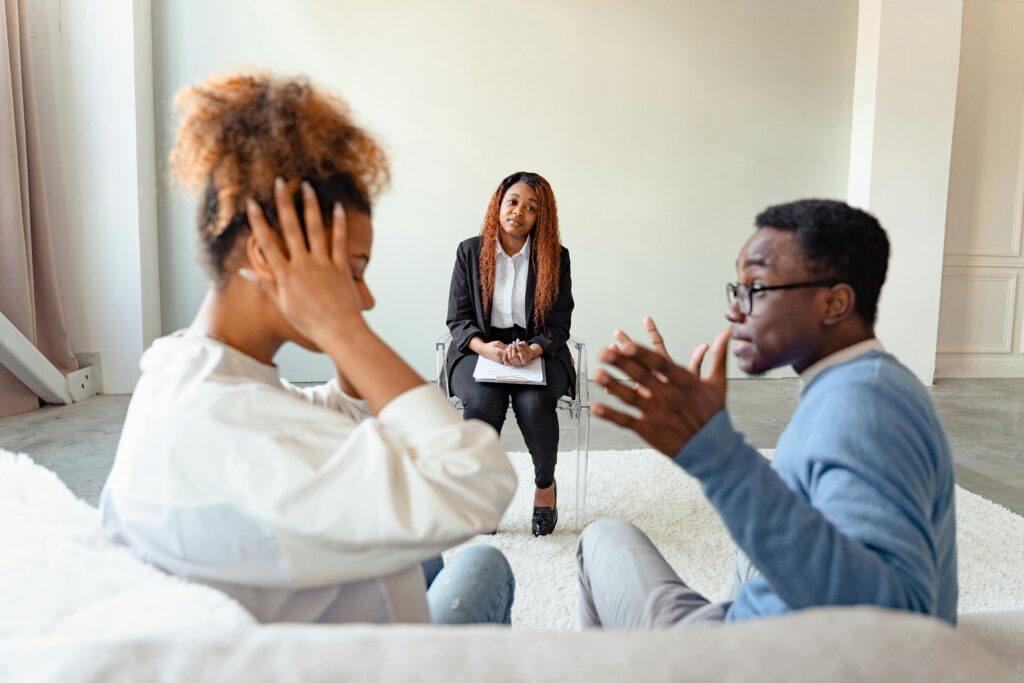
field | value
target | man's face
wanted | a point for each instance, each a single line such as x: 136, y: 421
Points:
x: 784, y: 326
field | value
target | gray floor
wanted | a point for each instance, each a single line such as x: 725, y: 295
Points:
x: 984, y: 419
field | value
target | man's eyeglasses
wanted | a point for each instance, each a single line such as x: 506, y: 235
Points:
x: 736, y: 292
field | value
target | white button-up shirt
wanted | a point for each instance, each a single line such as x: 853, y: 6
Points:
x: 298, y: 503
x: 508, y: 307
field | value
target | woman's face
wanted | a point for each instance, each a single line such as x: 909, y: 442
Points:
x: 518, y: 213
x: 360, y: 242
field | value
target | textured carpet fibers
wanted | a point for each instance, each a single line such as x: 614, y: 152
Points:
x: 649, y: 490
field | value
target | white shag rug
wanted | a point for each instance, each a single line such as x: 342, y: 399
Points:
x: 652, y: 492
x: 61, y: 576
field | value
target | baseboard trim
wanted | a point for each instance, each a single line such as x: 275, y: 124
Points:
x: 994, y: 367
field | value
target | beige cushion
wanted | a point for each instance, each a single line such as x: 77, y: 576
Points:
x: 1002, y: 633
x: 854, y: 644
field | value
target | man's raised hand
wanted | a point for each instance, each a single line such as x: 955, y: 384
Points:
x: 673, y: 402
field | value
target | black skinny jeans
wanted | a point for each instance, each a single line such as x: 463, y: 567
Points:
x: 534, y: 407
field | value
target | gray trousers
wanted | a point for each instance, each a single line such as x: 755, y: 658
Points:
x: 625, y: 583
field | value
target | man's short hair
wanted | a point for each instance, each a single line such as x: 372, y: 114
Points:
x: 838, y: 241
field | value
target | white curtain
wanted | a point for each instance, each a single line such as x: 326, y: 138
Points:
x: 28, y: 277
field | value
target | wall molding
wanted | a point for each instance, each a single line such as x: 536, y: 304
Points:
x: 1017, y: 217
x: 964, y: 261
x: 956, y: 366
x: 1018, y: 202
x: 1010, y: 280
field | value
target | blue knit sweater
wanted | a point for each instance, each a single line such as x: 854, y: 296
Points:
x: 857, y: 506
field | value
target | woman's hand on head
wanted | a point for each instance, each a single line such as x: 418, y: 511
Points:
x: 311, y: 285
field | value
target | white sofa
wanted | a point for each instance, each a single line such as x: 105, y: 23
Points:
x: 855, y: 644
x: 76, y: 607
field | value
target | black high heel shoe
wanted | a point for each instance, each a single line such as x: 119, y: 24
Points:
x: 545, y: 519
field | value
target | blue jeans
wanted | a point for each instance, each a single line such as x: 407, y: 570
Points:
x: 476, y: 587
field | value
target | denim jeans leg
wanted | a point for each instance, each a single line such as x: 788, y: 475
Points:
x: 475, y: 587
x: 431, y: 568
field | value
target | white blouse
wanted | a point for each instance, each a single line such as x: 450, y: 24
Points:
x: 296, y: 502
x: 508, y: 307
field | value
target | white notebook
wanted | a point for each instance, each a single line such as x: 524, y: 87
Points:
x: 488, y: 371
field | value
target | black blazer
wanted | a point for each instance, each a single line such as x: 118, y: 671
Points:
x: 466, y: 312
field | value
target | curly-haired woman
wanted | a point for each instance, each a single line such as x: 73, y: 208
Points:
x: 511, y: 301
x: 305, y: 504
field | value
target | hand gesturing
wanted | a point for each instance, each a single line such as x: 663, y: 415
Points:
x: 673, y: 401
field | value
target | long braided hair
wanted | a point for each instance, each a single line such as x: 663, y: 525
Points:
x: 545, y: 249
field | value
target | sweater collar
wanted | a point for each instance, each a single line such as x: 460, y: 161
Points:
x: 837, y: 358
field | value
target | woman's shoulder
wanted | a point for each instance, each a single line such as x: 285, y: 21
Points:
x: 563, y: 256
x: 472, y: 244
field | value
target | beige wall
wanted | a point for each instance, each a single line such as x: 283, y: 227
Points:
x: 92, y: 64
x: 905, y: 100
x: 981, y: 330
x: 662, y: 126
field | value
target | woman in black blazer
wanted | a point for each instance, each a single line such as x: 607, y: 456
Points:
x: 511, y: 301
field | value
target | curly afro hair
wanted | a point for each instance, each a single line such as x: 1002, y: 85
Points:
x: 838, y: 241
x: 546, y: 250
x: 239, y: 132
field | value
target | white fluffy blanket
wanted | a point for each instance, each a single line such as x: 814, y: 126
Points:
x: 61, y: 576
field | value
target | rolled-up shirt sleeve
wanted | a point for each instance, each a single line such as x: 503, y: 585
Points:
x: 329, y: 395
x: 349, y: 499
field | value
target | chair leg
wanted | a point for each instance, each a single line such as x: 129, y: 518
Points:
x: 582, y: 453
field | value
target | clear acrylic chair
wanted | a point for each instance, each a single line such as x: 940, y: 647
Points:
x: 573, y: 413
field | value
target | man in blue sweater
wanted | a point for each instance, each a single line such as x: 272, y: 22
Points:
x: 857, y: 505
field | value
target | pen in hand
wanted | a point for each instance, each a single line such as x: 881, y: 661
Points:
x: 515, y: 348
